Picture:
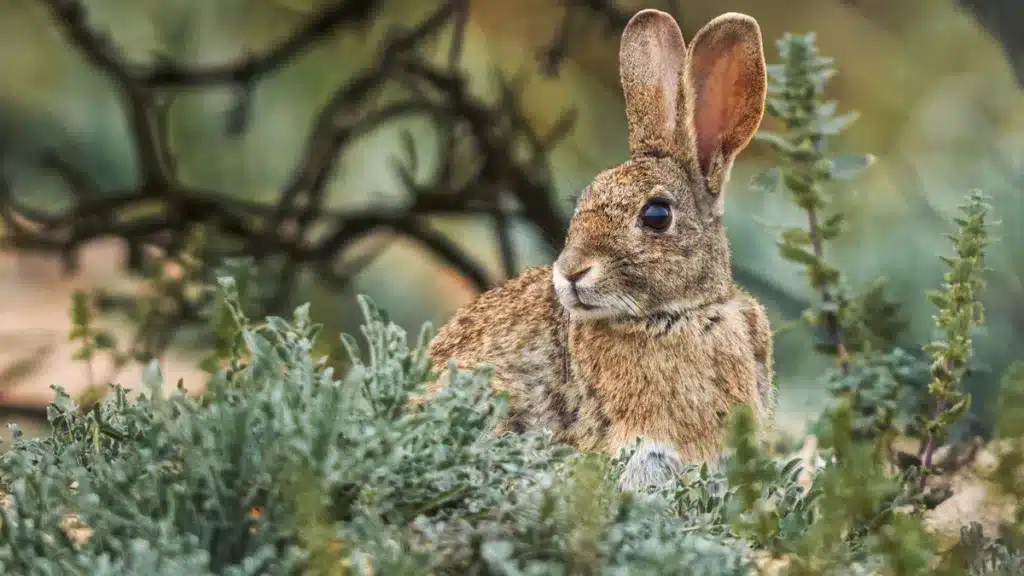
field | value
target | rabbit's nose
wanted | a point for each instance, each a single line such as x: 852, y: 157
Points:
x: 575, y: 276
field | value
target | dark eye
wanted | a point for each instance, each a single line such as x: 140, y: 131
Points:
x: 656, y: 215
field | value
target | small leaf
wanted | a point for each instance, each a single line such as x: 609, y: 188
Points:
x: 351, y: 347
x: 835, y: 124
x: 832, y: 226
x: 152, y: 378
x: 301, y: 317
x: 848, y: 166
x: 794, y: 253
x: 827, y: 109
x: 768, y: 181
x: 776, y: 141
x: 796, y: 237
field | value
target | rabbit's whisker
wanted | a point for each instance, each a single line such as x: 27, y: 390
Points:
x: 630, y: 304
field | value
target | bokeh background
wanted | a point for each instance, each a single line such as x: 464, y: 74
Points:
x: 940, y: 107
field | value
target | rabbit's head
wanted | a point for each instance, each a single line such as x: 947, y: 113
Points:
x: 647, y: 236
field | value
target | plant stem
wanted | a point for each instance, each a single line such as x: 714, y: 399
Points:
x: 832, y: 325
x: 932, y: 442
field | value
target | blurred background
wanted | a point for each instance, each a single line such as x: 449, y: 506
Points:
x: 419, y: 151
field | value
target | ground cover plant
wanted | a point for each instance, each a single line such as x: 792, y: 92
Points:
x: 286, y: 465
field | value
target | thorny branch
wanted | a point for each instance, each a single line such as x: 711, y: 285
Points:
x: 501, y: 174
x: 494, y: 164
x: 605, y: 11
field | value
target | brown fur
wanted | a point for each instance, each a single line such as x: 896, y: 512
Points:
x: 654, y: 341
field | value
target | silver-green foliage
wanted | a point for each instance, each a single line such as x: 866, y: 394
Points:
x: 279, y: 467
x: 171, y: 481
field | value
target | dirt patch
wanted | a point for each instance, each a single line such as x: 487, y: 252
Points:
x: 35, y: 300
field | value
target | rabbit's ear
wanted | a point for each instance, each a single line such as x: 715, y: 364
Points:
x: 650, y: 59
x: 725, y: 85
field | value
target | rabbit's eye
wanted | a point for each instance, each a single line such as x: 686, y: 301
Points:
x: 656, y: 215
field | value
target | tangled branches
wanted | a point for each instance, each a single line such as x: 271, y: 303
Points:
x: 507, y: 157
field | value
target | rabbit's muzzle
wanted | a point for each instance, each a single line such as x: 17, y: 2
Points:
x: 575, y: 283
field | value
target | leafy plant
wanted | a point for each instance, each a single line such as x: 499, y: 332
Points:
x: 796, y: 89
x: 959, y: 312
x: 866, y: 512
x: 892, y: 391
x: 233, y: 482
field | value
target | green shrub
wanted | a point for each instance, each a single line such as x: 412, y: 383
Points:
x: 280, y: 466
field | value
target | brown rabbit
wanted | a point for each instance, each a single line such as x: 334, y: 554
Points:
x: 637, y: 330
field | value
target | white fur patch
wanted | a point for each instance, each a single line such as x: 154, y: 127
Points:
x: 653, y: 464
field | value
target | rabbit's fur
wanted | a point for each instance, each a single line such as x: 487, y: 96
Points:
x: 654, y: 341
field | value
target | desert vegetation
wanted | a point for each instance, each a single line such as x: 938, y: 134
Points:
x: 301, y: 453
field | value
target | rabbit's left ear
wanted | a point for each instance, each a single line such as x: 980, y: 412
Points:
x: 725, y: 82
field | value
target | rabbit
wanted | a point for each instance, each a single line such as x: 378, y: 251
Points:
x: 637, y: 333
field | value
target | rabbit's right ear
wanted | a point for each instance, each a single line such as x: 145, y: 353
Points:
x: 650, y: 58
x: 726, y: 84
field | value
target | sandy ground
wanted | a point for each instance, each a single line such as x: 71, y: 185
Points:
x: 35, y: 300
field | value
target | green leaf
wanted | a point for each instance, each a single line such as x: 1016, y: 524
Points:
x: 833, y: 125
x: 796, y: 237
x: 768, y: 181
x: 152, y: 377
x: 832, y: 226
x: 797, y: 254
x: 848, y: 166
x: 301, y: 317
x: 826, y: 109
x: 776, y: 107
x: 777, y: 141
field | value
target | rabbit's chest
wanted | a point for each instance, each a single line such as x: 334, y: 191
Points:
x: 675, y: 377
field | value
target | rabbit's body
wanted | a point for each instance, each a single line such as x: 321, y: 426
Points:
x: 670, y: 378
x: 637, y: 330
